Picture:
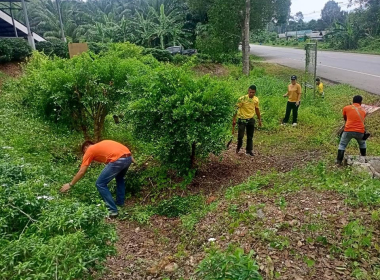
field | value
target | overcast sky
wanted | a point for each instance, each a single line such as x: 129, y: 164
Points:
x: 311, y: 9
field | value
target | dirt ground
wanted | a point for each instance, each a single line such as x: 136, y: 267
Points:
x: 10, y: 69
x: 212, y: 69
x: 291, y: 241
x: 164, y: 250
x: 231, y: 169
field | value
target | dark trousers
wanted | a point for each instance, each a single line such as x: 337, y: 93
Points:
x: 117, y: 170
x: 248, y: 125
x: 291, y: 106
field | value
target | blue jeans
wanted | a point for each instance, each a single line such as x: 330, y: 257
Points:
x: 117, y: 170
x: 346, y: 138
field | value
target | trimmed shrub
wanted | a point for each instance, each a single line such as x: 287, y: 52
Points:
x: 181, y: 117
x: 203, y: 58
x: 98, y: 48
x: 80, y: 92
x: 180, y: 59
x: 160, y: 55
x: 16, y: 49
x: 53, y: 47
x: 125, y: 50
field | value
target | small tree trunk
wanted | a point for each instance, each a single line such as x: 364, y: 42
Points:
x: 246, y: 29
x: 162, y: 42
x: 193, y: 146
x: 85, y: 132
x: 99, y: 122
x: 83, y: 125
x: 243, y: 39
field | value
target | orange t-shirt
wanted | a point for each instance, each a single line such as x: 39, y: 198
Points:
x: 354, y: 122
x: 105, y: 151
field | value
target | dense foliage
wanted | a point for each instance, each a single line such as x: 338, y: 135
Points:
x: 358, y: 29
x: 44, y: 235
x: 53, y: 47
x: 82, y: 91
x: 160, y: 55
x: 222, y: 32
x: 213, y: 26
x: 52, y: 236
x: 180, y: 116
x: 15, y: 49
x: 148, y: 23
x: 183, y: 118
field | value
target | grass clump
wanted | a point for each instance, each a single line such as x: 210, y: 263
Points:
x: 232, y: 264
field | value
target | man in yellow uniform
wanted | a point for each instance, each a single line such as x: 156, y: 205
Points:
x: 247, y: 107
x: 320, y: 87
x: 294, y: 94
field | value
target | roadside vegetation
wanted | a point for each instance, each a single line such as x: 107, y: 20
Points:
x: 354, y: 31
x: 365, y: 46
x: 195, y: 210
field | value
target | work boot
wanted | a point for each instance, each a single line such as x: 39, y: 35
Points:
x: 340, y: 157
x: 363, y: 152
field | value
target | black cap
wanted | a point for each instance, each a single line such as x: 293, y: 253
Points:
x: 318, y: 79
x: 253, y: 87
x: 294, y: 77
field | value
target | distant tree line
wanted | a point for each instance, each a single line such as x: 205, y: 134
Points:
x: 357, y: 29
x: 214, y: 27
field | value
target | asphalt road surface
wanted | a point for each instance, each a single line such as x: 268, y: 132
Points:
x: 359, y: 70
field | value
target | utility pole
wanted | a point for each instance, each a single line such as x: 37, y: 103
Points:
x: 30, y: 35
x: 60, y: 20
x: 13, y: 19
x: 246, y: 33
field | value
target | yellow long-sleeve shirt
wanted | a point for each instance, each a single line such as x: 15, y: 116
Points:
x: 294, y: 92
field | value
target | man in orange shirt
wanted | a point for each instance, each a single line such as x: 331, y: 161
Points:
x: 294, y: 94
x: 117, y: 158
x: 354, y: 116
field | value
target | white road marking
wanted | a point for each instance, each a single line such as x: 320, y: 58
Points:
x: 357, y: 72
x: 338, y: 68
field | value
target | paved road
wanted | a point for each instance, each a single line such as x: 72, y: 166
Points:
x: 359, y: 70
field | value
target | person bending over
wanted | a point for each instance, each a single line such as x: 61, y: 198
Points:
x: 117, y: 158
x: 354, y: 115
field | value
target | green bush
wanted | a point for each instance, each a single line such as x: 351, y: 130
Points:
x: 217, y: 42
x: 80, y: 92
x: 212, y: 48
x: 42, y: 235
x: 178, y: 206
x: 203, y: 58
x: 98, y: 48
x: 179, y: 59
x: 16, y: 49
x: 232, y: 264
x: 369, y: 45
x: 65, y: 241
x: 5, y: 51
x: 53, y: 47
x: 125, y: 50
x: 160, y: 55
x: 181, y: 117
